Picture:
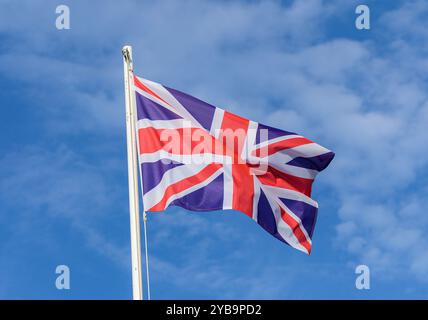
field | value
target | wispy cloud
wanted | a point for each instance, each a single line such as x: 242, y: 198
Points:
x: 46, y: 186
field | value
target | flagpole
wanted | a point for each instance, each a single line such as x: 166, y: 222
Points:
x: 137, y: 292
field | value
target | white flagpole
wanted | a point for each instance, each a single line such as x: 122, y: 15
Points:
x: 132, y: 175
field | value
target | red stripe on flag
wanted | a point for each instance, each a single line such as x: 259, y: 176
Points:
x: 183, y: 141
x: 276, y: 178
x: 184, y: 184
x: 243, y: 189
x: 233, y: 136
x: 280, y: 145
x: 297, y: 231
x: 140, y: 85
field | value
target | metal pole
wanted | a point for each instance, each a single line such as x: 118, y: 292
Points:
x: 132, y: 175
x: 146, y: 244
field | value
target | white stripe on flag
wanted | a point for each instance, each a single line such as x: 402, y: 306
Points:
x: 163, y: 124
x: 289, y: 194
x: 195, y: 187
x: 153, y: 196
x: 162, y: 92
x: 217, y: 121
x: 203, y: 158
x: 228, y: 185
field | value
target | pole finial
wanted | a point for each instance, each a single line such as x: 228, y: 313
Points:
x: 126, y: 52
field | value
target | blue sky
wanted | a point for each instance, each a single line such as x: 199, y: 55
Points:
x: 299, y: 65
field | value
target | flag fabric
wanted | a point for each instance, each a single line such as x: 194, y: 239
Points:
x: 203, y: 158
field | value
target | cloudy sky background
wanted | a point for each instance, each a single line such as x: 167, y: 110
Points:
x: 299, y: 65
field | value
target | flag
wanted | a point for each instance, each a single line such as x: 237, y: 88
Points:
x: 203, y: 158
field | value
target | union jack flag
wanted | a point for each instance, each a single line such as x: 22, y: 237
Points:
x: 202, y: 158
